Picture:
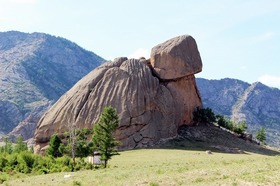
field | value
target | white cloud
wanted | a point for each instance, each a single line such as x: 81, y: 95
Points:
x: 273, y: 81
x: 140, y: 52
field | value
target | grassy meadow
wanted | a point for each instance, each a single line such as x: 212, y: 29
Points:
x: 169, y: 167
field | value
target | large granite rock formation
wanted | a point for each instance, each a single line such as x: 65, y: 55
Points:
x: 151, y: 106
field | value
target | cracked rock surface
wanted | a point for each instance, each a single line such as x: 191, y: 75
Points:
x: 150, y: 107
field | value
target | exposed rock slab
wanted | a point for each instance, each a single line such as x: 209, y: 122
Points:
x: 149, y: 108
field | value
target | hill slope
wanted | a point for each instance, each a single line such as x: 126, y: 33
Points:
x: 257, y: 104
x: 35, y: 70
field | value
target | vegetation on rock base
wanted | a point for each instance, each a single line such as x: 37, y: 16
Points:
x: 207, y: 116
x: 18, y: 159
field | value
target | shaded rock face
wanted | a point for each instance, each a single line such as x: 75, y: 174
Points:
x: 149, y: 107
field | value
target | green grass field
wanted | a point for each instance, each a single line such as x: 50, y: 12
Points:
x: 170, y: 167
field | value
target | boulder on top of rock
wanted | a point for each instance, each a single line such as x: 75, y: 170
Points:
x: 176, y: 58
x: 149, y: 109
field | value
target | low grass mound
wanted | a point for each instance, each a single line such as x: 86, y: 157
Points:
x: 170, y: 167
x: 216, y: 139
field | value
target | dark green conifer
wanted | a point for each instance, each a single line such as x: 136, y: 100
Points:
x: 103, y: 140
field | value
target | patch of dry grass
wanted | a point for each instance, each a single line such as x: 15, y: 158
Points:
x: 171, y: 167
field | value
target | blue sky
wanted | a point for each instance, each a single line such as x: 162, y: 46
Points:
x: 236, y: 38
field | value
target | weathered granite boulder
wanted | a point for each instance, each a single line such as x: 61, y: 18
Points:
x: 176, y: 58
x: 149, y: 108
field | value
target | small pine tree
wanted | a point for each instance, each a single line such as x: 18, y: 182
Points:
x: 261, y: 135
x: 54, y: 146
x: 20, y: 145
x: 103, y: 140
x: 225, y: 123
x: 8, y: 148
x: 83, y: 147
x: 243, y: 127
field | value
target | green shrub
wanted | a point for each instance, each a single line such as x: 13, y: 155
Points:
x: 26, y: 161
x: 66, y: 169
x: 243, y: 126
x: 45, y: 162
x: 201, y: 115
x: 27, y: 158
x: 89, y: 166
x: 3, y: 178
x: 261, y: 135
x: 23, y: 168
x: 3, y: 163
x: 239, y: 128
x: 8, y: 169
x: 226, y: 123
x: 41, y: 171
x: 54, y: 169
x: 64, y: 160
x: 236, y: 129
x: 44, y: 165
x: 232, y: 126
x: 13, y: 160
x: 77, y: 167
x: 55, y: 148
x: 40, y: 166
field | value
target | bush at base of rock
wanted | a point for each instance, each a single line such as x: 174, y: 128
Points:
x: 238, y: 128
x: 28, y: 163
x: 201, y: 115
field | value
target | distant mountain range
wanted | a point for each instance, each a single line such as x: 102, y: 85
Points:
x: 257, y: 104
x: 35, y: 70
